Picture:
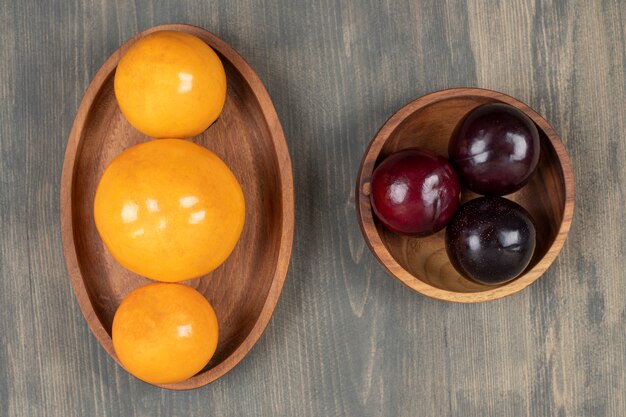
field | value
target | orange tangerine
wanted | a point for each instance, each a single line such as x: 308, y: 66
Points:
x: 164, y: 333
x: 169, y: 210
x: 170, y: 85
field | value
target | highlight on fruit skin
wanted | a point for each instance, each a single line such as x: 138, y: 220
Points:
x: 170, y: 85
x: 169, y: 210
x: 164, y: 333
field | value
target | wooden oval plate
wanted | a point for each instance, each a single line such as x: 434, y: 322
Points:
x: 422, y: 263
x: 249, y: 138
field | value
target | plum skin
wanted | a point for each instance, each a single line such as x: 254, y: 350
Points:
x: 495, y: 149
x: 415, y: 192
x: 491, y: 240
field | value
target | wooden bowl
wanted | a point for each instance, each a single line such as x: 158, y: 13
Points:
x: 249, y: 138
x: 422, y: 263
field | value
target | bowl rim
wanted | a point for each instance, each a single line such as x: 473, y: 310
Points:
x: 380, y: 251
x: 287, y: 200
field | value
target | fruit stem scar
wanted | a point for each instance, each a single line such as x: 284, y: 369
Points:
x: 366, y: 188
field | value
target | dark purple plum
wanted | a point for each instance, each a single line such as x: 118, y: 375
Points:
x: 491, y: 240
x: 415, y: 192
x: 495, y: 149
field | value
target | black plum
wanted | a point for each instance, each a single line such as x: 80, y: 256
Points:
x: 495, y: 149
x: 415, y: 192
x: 491, y: 240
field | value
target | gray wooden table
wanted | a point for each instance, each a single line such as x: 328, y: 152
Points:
x: 345, y: 339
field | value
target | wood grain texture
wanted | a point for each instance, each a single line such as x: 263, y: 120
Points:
x: 422, y: 263
x: 345, y: 339
x: 248, y: 137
